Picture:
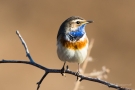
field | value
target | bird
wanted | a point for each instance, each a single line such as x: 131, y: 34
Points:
x: 72, y: 41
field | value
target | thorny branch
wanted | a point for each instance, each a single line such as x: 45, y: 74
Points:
x: 49, y: 70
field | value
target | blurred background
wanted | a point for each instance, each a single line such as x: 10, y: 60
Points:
x: 38, y: 22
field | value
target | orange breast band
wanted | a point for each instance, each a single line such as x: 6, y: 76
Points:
x: 74, y: 45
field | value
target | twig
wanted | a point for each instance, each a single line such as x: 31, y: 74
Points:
x: 46, y: 73
x: 48, y: 70
x: 89, y: 51
x: 99, y: 74
x: 25, y: 46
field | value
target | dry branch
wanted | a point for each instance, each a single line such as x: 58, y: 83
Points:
x: 49, y: 70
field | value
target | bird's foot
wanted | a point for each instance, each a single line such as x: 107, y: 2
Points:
x: 63, y: 71
x: 77, y: 74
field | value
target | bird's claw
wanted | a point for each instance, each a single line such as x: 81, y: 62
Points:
x: 77, y: 74
x: 63, y: 71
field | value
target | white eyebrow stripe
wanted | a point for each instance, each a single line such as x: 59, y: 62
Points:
x: 77, y: 20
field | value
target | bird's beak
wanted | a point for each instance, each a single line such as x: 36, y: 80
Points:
x: 89, y: 21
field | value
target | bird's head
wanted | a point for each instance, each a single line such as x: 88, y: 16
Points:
x: 74, y: 26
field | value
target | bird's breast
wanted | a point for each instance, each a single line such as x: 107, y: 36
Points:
x: 80, y: 44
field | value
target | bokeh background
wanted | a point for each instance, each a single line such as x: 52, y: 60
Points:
x: 38, y: 22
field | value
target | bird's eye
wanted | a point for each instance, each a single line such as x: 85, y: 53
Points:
x: 78, y: 22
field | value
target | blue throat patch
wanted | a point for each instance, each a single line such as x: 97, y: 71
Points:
x: 77, y: 34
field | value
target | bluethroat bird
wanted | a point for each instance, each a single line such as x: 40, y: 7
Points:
x: 72, y: 41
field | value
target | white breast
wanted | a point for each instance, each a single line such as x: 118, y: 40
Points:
x: 71, y: 55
